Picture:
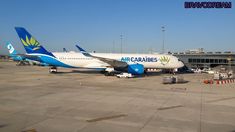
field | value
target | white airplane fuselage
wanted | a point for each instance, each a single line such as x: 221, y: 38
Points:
x: 158, y: 61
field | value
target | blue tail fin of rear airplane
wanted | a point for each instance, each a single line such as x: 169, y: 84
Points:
x: 11, y: 49
x: 30, y: 44
x: 13, y: 53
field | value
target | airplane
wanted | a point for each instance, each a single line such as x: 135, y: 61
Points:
x: 23, y: 59
x: 135, y: 64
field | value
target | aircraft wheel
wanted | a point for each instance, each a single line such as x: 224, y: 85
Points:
x: 106, y: 74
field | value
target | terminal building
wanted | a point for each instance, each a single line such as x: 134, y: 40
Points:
x: 200, y: 59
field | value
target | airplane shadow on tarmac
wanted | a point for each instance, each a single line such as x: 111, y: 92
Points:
x: 148, y: 74
x: 78, y: 71
x: 100, y: 72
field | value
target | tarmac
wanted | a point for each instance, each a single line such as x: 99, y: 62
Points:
x: 32, y: 100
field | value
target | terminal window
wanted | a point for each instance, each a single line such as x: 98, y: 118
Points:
x: 202, y: 60
x: 198, y: 61
x: 211, y: 60
x: 189, y: 60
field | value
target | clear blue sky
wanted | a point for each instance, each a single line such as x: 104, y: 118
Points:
x: 97, y: 25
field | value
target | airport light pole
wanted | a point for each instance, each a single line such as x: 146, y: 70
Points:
x: 230, y: 62
x: 113, y: 46
x: 121, y: 37
x: 230, y: 72
x: 163, y: 39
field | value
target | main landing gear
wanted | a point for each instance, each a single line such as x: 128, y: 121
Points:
x: 53, y: 69
x: 109, y: 74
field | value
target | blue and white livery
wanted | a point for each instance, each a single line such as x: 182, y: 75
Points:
x: 22, y: 58
x: 13, y: 53
x: 132, y: 63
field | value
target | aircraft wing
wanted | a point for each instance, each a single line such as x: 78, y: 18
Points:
x: 31, y: 57
x: 112, y: 62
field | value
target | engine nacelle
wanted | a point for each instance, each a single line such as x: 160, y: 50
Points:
x: 135, y: 69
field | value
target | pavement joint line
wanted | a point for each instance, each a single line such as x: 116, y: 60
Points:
x: 106, y: 118
x: 222, y: 99
x: 170, y: 107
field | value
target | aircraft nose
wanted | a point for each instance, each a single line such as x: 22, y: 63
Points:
x: 181, y: 64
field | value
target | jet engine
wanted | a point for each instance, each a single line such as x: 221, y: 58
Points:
x: 135, y: 69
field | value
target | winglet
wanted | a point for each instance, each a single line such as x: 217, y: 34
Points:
x: 83, y: 51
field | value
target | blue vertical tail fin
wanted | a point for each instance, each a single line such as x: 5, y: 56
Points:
x: 11, y: 49
x: 13, y: 53
x: 30, y: 44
